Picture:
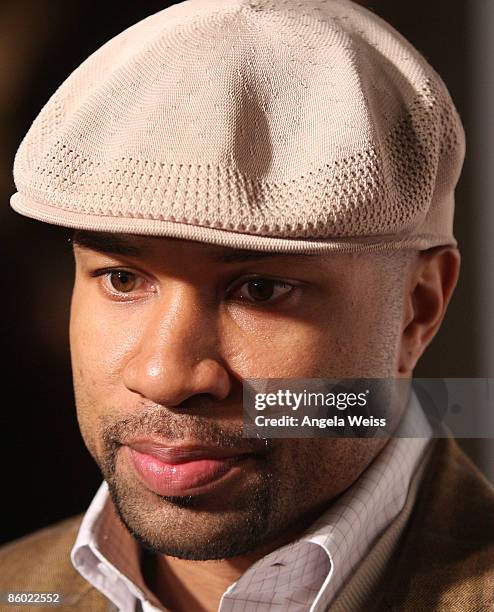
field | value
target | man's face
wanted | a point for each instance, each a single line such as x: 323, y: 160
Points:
x: 162, y: 333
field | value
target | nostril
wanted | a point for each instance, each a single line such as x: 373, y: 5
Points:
x: 211, y: 377
x: 200, y: 403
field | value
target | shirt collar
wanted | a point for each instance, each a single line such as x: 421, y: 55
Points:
x: 108, y: 556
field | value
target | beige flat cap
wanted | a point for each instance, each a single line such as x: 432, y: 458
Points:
x: 264, y: 124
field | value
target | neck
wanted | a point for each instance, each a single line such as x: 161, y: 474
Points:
x: 182, y: 585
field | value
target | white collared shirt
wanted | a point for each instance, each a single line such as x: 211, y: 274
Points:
x: 304, y: 575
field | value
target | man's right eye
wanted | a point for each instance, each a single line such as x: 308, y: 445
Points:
x: 122, y: 283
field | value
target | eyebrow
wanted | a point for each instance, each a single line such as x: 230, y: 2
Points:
x: 107, y: 242
x: 122, y: 244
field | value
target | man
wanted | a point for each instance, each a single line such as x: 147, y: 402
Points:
x: 258, y: 189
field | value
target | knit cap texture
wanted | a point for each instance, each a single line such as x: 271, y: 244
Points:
x: 264, y: 124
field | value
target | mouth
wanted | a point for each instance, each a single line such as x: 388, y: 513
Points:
x: 185, y: 469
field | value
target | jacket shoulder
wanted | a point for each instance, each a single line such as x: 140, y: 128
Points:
x: 40, y: 562
x: 32, y: 554
x: 446, y: 557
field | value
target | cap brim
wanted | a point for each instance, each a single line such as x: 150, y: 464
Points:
x: 184, y: 231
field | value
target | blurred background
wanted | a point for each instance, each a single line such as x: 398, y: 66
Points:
x: 47, y: 472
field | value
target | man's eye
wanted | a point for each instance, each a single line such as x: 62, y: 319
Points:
x: 262, y: 290
x: 122, y: 282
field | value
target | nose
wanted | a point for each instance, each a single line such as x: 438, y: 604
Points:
x: 176, y: 355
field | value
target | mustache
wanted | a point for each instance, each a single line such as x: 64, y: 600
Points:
x: 158, y: 422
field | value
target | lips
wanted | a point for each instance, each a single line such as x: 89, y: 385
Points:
x: 180, y: 470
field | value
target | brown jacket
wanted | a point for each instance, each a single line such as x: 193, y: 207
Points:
x: 444, y: 560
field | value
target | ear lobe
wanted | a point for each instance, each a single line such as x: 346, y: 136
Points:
x: 430, y: 286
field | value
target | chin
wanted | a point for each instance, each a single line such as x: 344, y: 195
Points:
x: 176, y: 527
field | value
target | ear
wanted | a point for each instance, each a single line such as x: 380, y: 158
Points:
x: 432, y: 277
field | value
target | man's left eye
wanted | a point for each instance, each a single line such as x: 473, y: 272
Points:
x: 261, y: 290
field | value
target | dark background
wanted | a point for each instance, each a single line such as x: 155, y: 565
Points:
x: 47, y: 473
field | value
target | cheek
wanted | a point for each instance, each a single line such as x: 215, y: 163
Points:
x: 99, y: 344
x: 260, y: 346
x: 100, y: 341
x: 344, y: 337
